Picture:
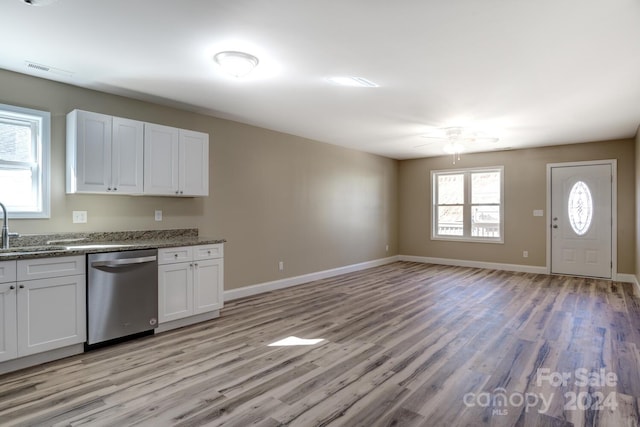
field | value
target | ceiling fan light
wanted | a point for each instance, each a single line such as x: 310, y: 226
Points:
x: 238, y: 64
x: 453, y: 148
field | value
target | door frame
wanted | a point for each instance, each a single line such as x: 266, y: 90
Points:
x: 614, y: 209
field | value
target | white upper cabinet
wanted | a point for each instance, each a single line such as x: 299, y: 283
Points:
x: 161, y: 163
x: 104, y: 154
x: 176, y: 161
x: 114, y: 155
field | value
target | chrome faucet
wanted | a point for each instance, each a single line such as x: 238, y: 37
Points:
x: 5, y: 229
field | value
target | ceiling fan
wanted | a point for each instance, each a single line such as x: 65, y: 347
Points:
x: 455, y: 139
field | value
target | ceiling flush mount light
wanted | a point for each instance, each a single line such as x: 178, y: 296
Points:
x: 352, y: 81
x: 238, y: 64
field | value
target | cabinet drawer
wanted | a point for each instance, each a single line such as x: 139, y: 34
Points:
x: 8, y: 271
x: 207, y: 252
x: 171, y: 255
x: 45, y: 268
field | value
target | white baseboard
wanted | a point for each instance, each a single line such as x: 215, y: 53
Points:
x: 305, y: 278
x: 620, y: 277
x: 629, y: 278
x: 174, y: 324
x: 299, y: 280
x: 40, y: 358
x: 476, y: 264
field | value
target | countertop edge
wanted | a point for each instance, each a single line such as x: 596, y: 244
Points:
x: 113, y: 247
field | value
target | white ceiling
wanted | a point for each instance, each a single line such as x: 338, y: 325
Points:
x: 531, y: 73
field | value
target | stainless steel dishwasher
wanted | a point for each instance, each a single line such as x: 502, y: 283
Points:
x: 122, y: 294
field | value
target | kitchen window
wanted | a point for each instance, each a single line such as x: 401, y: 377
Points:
x: 468, y: 205
x: 24, y: 161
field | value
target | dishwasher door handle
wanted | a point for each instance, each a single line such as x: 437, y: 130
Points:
x: 124, y: 261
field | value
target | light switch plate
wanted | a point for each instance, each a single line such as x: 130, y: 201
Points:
x: 538, y: 212
x: 79, y: 217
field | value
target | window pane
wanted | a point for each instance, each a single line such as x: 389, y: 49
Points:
x: 580, y: 208
x: 450, y: 221
x: 16, y: 142
x: 485, y: 221
x: 450, y: 189
x: 19, y: 195
x: 485, y: 187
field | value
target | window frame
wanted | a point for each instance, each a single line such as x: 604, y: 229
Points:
x: 466, y: 205
x: 41, y: 184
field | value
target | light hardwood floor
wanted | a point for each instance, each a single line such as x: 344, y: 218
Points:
x: 405, y: 344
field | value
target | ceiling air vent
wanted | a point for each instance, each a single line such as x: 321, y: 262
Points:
x: 47, y: 69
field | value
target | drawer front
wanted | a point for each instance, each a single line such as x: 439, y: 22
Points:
x: 45, y: 268
x: 172, y: 255
x: 207, y: 252
x: 8, y: 271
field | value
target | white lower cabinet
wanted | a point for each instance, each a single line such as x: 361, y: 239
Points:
x: 8, y: 321
x: 44, y: 308
x: 190, y: 281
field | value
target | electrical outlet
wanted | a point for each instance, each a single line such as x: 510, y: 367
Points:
x: 281, y: 265
x: 386, y: 248
x: 158, y: 215
x: 525, y: 254
x: 79, y: 217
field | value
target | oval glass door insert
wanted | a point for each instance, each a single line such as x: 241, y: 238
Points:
x: 580, y: 208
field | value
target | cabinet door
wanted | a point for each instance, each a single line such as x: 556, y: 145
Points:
x: 127, y: 161
x: 175, y: 291
x: 51, y: 314
x: 207, y: 285
x: 93, y: 151
x: 194, y: 163
x: 8, y: 322
x: 161, y: 160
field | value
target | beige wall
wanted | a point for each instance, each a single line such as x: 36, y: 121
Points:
x: 272, y: 196
x: 637, y: 212
x: 314, y: 206
x: 525, y: 190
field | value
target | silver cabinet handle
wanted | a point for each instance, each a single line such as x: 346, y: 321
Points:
x: 125, y: 261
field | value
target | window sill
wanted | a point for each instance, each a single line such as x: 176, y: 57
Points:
x: 468, y: 240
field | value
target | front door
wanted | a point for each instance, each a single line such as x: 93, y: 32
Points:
x: 581, y: 220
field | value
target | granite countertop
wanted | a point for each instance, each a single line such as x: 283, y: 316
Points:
x: 68, y: 244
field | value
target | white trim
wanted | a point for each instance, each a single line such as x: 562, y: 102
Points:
x: 40, y: 358
x: 259, y: 288
x: 614, y: 208
x: 43, y: 210
x: 628, y: 278
x: 186, y: 321
x: 305, y: 278
x: 476, y: 264
x: 467, y: 238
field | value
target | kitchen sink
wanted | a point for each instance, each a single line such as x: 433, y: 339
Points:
x: 95, y: 246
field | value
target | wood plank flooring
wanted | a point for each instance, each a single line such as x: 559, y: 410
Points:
x: 405, y: 344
